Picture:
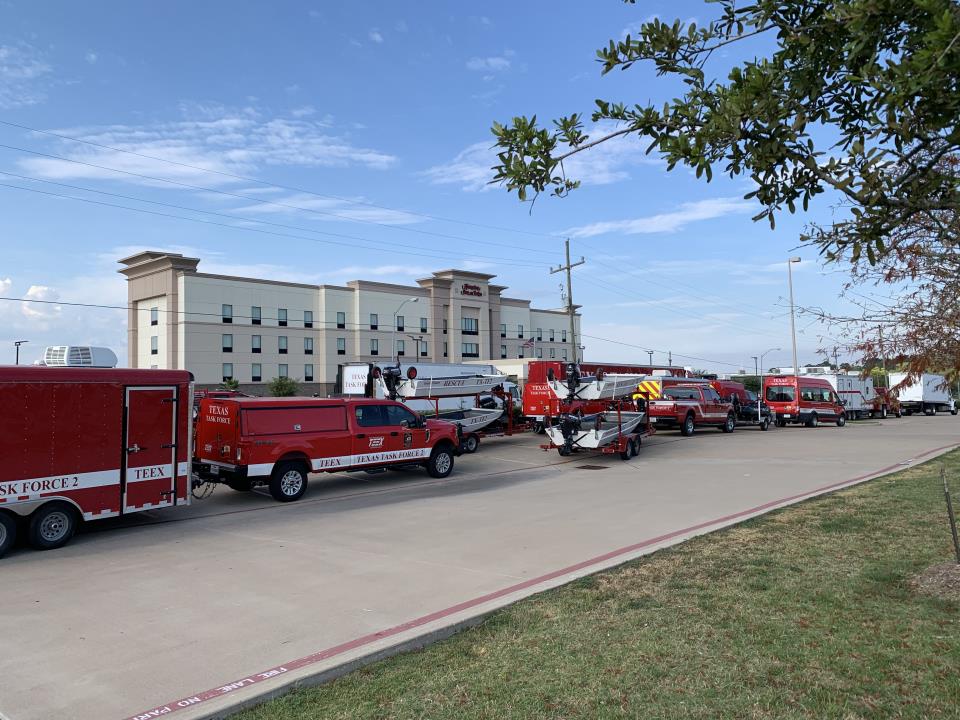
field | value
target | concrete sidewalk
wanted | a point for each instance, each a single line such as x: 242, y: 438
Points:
x: 136, y: 617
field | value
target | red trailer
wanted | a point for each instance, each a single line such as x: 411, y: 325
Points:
x: 89, y: 443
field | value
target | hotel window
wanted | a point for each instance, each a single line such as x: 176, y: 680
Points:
x: 520, y: 332
x: 226, y: 343
x: 520, y: 352
x: 564, y: 355
x: 256, y: 315
x: 374, y: 346
x: 553, y: 335
x: 153, y: 345
x: 308, y: 346
x: 256, y: 372
x: 503, y: 351
x: 423, y: 348
x: 341, y: 346
x: 255, y: 343
x: 399, y: 323
x: 283, y: 371
x: 539, y: 352
x: 282, y: 344
x: 503, y: 330
x: 539, y: 333
x: 341, y: 320
x: 282, y: 317
x: 444, y: 326
x: 423, y: 325
x: 470, y: 326
x: 470, y: 350
x: 308, y: 373
x: 154, y: 316
x: 401, y: 347
x: 226, y: 313
x: 227, y: 371
x: 444, y: 349
x: 308, y: 318
x: 553, y: 352
x: 563, y: 336
x: 374, y: 321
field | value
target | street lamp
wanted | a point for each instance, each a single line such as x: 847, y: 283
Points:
x: 395, y: 313
x: 650, y: 358
x: 17, y: 344
x: 760, y: 394
x: 793, y: 327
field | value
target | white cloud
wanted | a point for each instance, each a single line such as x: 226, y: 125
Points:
x: 606, y: 163
x: 401, y: 26
x: 375, y: 36
x: 23, y: 76
x: 5, y: 286
x: 211, y: 138
x: 322, y: 208
x: 305, y: 111
x: 91, y: 58
x: 498, y: 63
x: 665, y: 222
x: 39, y: 309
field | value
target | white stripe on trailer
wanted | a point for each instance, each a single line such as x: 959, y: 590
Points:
x: 31, y: 488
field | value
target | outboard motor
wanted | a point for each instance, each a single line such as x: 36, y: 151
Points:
x: 569, y: 427
x: 573, y: 379
x: 391, y: 379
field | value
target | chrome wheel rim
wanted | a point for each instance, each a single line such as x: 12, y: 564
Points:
x: 291, y: 482
x: 443, y: 463
x: 54, y: 526
x: 3, y: 535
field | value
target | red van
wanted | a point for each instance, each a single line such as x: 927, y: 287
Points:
x: 277, y: 442
x: 807, y: 400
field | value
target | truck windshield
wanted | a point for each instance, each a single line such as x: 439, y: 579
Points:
x: 781, y: 393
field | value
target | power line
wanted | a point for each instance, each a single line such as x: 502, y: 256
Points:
x: 236, y: 217
x: 249, y: 229
x: 647, y: 350
x: 266, y: 183
x: 261, y: 201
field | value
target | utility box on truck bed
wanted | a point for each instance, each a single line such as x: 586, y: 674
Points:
x: 87, y: 443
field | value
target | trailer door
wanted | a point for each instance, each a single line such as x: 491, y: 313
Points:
x: 150, y: 448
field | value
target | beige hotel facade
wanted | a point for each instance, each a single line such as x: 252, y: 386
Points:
x: 253, y: 330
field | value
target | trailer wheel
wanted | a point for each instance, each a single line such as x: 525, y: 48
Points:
x: 688, y: 425
x: 470, y: 443
x: 52, y: 526
x: 765, y: 424
x: 440, y: 463
x: 8, y: 532
x: 729, y: 424
x: 288, y: 481
x: 883, y: 412
x: 539, y: 428
x: 563, y: 450
x: 841, y: 419
x: 898, y: 413
x: 813, y: 422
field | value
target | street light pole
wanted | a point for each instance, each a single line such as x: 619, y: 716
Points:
x: 760, y: 394
x: 650, y: 358
x: 793, y: 327
x: 17, y: 344
x: 396, y: 312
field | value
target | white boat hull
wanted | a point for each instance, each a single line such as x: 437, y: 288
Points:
x: 473, y: 419
x: 452, y: 386
x: 611, y: 387
x: 590, y: 436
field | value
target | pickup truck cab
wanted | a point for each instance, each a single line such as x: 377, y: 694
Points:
x: 243, y: 442
x: 803, y: 400
x: 687, y: 406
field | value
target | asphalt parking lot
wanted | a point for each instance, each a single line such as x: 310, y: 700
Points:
x: 238, y: 594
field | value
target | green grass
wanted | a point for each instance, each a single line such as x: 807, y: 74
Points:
x: 804, y: 613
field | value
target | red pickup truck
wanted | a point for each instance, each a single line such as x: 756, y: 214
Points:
x: 687, y: 406
x: 243, y: 442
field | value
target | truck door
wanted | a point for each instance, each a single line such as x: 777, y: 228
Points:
x: 413, y: 434
x: 150, y: 448
x: 374, y: 441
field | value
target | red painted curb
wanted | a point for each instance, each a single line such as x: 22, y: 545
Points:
x: 363, y: 640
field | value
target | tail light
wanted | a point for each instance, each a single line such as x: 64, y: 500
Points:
x: 238, y: 454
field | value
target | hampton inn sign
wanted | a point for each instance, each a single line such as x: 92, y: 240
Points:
x: 472, y: 290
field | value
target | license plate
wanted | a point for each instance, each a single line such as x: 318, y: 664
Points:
x: 788, y: 416
x: 214, y: 470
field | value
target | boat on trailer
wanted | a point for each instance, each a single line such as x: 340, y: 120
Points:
x: 472, y: 419
x: 600, y: 386
x: 594, y: 431
x: 413, y: 387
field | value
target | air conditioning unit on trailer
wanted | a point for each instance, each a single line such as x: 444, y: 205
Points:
x: 79, y: 356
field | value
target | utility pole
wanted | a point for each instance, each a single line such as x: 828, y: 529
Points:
x: 573, y: 321
x: 670, y: 358
x: 836, y: 362
x: 650, y: 357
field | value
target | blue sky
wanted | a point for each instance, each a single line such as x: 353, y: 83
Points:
x: 379, y: 113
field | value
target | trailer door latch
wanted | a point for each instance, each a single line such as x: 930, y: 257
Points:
x: 134, y: 448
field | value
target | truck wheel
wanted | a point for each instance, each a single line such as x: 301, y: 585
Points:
x: 288, y: 481
x: 883, y: 412
x: 688, y: 426
x: 8, y: 532
x: 841, y: 419
x: 539, y: 428
x: 52, y: 526
x: 813, y: 422
x: 898, y: 413
x: 470, y: 443
x: 244, y: 485
x: 953, y: 411
x: 730, y: 424
x: 440, y: 463
x: 765, y: 424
